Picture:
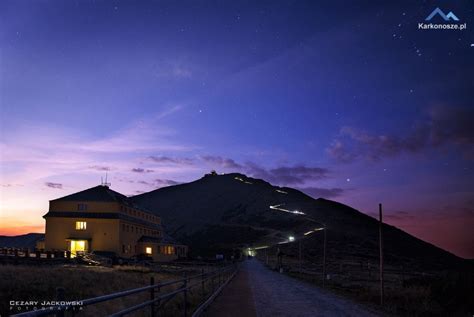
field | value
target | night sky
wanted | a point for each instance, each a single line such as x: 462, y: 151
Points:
x: 345, y: 100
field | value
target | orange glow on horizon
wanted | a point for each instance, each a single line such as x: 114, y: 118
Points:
x: 12, y: 230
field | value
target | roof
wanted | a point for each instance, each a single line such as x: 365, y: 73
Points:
x: 101, y: 193
x: 166, y: 239
x: 101, y: 215
x: 97, y: 193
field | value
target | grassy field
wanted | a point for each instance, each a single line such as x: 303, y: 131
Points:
x: 20, y: 282
x: 407, y: 293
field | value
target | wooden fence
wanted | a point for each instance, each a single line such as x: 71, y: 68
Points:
x: 214, y: 280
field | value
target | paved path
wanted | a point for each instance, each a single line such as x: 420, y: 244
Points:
x: 236, y: 299
x: 276, y: 294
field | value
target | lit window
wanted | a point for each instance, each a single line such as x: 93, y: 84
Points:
x: 81, y: 225
x: 167, y: 249
x: 148, y: 250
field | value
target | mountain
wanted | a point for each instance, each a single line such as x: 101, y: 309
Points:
x: 22, y: 241
x: 221, y: 212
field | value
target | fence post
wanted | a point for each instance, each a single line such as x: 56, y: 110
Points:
x: 152, y: 296
x: 185, y: 285
x: 60, y: 297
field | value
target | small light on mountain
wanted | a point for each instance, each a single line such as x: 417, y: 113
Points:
x: 291, y: 238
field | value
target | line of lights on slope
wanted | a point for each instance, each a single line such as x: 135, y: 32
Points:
x: 281, y: 191
x: 277, y: 207
x: 240, y: 179
x: 290, y: 239
x: 314, y: 230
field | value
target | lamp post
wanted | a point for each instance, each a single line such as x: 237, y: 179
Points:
x: 381, y: 254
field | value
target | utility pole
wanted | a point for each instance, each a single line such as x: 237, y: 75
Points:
x: 324, y: 257
x: 381, y: 254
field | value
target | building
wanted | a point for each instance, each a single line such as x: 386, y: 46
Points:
x: 100, y: 219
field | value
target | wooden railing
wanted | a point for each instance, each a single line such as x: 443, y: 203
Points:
x: 37, y: 254
x: 215, y: 280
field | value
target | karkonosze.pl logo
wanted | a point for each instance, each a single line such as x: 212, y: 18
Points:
x: 437, y: 13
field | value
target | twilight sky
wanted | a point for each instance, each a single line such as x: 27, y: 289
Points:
x: 348, y: 101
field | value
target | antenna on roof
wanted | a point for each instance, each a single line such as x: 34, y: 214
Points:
x: 105, y: 183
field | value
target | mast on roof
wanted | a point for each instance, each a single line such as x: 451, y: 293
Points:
x: 105, y: 183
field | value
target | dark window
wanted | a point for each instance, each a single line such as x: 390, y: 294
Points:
x: 81, y: 206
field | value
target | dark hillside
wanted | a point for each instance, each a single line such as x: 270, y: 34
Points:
x: 233, y: 210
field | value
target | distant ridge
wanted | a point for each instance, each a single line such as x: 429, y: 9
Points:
x: 22, y: 241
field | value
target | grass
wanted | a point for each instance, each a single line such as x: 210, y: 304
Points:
x: 38, y: 283
x: 435, y: 293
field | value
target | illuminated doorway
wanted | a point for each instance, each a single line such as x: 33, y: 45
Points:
x: 77, y: 247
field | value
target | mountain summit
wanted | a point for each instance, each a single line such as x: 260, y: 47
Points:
x: 219, y: 212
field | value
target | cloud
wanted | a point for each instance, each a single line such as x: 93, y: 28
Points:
x: 157, y: 182
x: 282, y: 175
x: 287, y: 175
x: 318, y: 192
x: 54, y: 185
x: 172, y: 160
x: 181, y: 72
x: 166, y: 182
x: 100, y: 168
x: 221, y: 162
x: 141, y: 170
x: 11, y: 185
x: 446, y: 126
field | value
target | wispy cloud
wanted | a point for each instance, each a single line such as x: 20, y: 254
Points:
x: 54, y: 185
x: 446, y: 126
x: 141, y: 170
x: 36, y: 154
x: 287, y: 175
x: 100, y: 168
x: 221, y: 162
x: 166, y: 182
x: 172, y: 160
x: 281, y: 175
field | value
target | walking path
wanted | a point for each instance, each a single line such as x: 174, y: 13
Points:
x: 258, y: 291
